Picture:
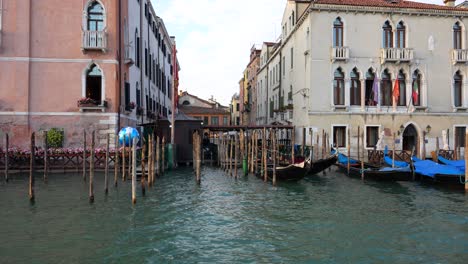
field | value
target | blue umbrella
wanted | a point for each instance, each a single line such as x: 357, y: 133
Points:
x: 126, y: 136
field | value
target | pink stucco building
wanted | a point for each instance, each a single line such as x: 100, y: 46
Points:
x: 53, y: 53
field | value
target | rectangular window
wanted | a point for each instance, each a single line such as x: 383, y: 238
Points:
x: 146, y: 61
x: 214, y: 120
x: 339, y: 136
x: 292, y: 58
x: 225, y: 121
x: 138, y: 60
x: 205, y: 120
x: 237, y: 107
x: 460, y: 134
x: 138, y: 99
x: 284, y: 66
x: 372, y: 136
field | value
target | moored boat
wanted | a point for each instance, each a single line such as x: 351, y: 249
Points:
x: 373, y: 172
x: 439, y: 173
x: 322, y: 164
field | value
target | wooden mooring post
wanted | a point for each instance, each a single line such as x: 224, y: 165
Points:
x: 293, y: 139
x: 199, y: 153
x: 362, y: 161
x: 124, y: 169
x: 106, y: 169
x: 349, y: 149
x: 116, y: 161
x: 130, y: 157
x: 303, y: 141
x: 358, y: 142
x: 143, y: 167
x: 393, y: 151
x: 466, y: 162
x: 46, y: 160
x: 265, y: 156
x: 150, y: 160
x: 7, y: 146
x: 274, y: 154
x: 236, y: 154
x: 163, y: 155
x: 158, y: 154
x: 31, y: 168
x: 91, y: 170
x: 84, y: 155
x: 134, y: 180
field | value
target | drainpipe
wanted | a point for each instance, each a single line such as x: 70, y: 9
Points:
x: 142, y: 96
x: 119, y: 58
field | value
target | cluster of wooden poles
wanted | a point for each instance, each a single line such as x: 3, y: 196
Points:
x: 257, y: 149
x: 152, y: 161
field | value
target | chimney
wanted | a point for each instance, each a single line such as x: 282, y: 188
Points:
x: 449, y: 2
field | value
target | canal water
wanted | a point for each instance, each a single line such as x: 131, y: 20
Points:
x: 321, y: 219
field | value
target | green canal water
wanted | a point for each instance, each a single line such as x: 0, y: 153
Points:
x: 321, y: 219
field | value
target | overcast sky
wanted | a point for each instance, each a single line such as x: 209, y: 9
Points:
x: 214, y: 38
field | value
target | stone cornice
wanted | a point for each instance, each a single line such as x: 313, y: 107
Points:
x: 388, y: 10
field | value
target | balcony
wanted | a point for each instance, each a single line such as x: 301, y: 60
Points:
x: 459, y: 56
x: 396, y: 55
x: 94, y: 40
x: 339, y: 54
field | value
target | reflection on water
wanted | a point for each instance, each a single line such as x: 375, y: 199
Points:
x: 325, y: 218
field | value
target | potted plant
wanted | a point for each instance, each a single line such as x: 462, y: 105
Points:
x: 86, y: 101
x: 130, y: 106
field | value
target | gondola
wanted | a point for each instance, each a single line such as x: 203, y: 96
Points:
x: 291, y: 172
x: 322, y: 164
x: 439, y: 173
x: 460, y: 164
x: 372, y: 171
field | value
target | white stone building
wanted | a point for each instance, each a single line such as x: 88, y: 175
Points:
x: 342, y: 60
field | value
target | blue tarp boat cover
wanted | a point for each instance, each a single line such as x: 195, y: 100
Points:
x: 460, y: 164
x: 404, y: 169
x: 344, y: 160
x: 430, y: 168
x: 388, y: 160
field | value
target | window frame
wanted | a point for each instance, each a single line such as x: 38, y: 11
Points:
x: 387, y: 37
x: 338, y: 33
x: 366, y: 137
x: 458, y: 85
x: 457, y: 36
x: 401, y: 35
x: 355, y: 90
x: 457, y: 144
x: 339, y: 88
x: 386, y: 86
x: 401, y: 101
x: 333, y: 126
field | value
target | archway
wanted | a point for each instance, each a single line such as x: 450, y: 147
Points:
x: 410, y: 139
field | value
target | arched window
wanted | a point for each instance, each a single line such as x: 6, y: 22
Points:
x: 338, y: 33
x: 401, y: 35
x: 416, y: 92
x: 95, y: 17
x: 338, y: 86
x: 457, y: 36
x: 457, y: 85
x: 386, y: 88
x: 355, y: 91
x: 370, y: 77
x: 387, y: 37
x: 94, y: 84
x: 401, y: 100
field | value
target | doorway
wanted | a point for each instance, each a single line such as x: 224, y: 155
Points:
x: 410, y: 139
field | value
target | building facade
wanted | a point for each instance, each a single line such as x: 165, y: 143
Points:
x: 210, y: 111
x: 72, y: 65
x: 376, y: 66
x: 234, y: 108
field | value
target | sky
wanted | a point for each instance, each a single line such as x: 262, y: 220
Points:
x: 214, y: 38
